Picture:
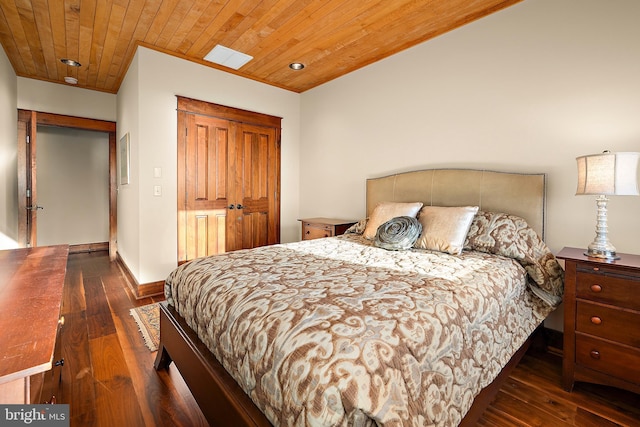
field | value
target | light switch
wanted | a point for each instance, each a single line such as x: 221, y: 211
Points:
x: 157, y: 172
x: 157, y: 190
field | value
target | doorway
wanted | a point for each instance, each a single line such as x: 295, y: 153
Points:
x: 28, y: 124
x: 73, y: 188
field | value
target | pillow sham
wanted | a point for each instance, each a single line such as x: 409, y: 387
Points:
x: 399, y: 233
x: 444, y: 228
x: 358, y: 227
x: 511, y: 236
x: 500, y: 234
x: 384, y: 211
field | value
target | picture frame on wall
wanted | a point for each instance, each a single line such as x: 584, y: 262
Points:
x: 124, y: 159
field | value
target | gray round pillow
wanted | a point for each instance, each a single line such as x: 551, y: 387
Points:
x: 398, y: 233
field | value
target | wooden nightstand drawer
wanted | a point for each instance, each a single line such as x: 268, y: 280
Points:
x: 317, y: 228
x: 607, y: 288
x: 609, y: 358
x: 315, y: 231
x: 622, y: 326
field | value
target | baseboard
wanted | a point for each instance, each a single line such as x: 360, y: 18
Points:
x: 554, y: 340
x: 546, y: 341
x: 88, y: 247
x: 139, y: 290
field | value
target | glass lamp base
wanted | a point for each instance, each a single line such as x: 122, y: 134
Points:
x: 605, y: 254
x: 601, y: 247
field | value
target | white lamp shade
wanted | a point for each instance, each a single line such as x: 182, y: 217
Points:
x: 608, y: 174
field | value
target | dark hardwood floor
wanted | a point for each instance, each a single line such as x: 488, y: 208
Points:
x: 108, y: 377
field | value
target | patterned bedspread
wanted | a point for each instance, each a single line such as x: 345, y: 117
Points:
x: 337, y: 332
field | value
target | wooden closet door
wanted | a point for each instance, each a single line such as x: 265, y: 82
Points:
x: 207, y: 187
x: 228, y: 179
x: 254, y: 174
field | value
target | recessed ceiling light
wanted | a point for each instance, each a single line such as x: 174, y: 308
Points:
x: 70, y: 62
x: 296, y: 66
x: 71, y: 80
x: 227, y: 57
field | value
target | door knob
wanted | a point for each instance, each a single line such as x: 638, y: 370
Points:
x: 239, y: 206
x: 231, y: 206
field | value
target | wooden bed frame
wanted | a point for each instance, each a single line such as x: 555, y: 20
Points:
x: 221, y: 399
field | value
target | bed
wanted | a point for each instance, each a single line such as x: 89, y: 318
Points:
x: 340, y: 331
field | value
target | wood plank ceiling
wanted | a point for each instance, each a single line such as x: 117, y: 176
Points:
x: 331, y: 37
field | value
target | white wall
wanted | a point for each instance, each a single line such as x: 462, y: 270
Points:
x: 129, y: 213
x: 64, y: 99
x: 8, y: 153
x: 527, y: 89
x: 154, y: 80
x: 72, y: 186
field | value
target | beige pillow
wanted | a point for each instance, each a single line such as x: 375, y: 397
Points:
x: 384, y: 211
x: 445, y: 229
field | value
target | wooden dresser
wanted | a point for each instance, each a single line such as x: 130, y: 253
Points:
x: 601, y: 320
x: 31, y: 282
x: 316, y: 228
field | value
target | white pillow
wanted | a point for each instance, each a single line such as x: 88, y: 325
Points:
x: 384, y: 211
x: 445, y: 229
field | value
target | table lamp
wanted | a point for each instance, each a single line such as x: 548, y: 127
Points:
x: 606, y: 174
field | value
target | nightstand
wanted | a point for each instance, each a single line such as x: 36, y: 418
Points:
x: 601, y: 320
x: 316, y: 228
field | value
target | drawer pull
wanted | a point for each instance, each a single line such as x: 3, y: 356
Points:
x: 308, y: 232
x: 596, y: 320
x: 596, y: 288
x: 595, y: 354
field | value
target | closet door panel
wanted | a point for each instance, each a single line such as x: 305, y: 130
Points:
x: 257, y: 187
x: 207, y: 189
x: 207, y: 233
x: 253, y: 233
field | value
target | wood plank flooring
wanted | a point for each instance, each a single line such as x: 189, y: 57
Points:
x: 108, y: 377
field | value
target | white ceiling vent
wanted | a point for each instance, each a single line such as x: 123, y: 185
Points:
x: 227, y: 57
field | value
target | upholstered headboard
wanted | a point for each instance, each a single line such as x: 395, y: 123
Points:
x: 515, y: 193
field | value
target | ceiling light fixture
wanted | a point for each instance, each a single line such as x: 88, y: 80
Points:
x: 227, y: 57
x: 70, y: 62
x: 71, y: 80
x: 296, y: 66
